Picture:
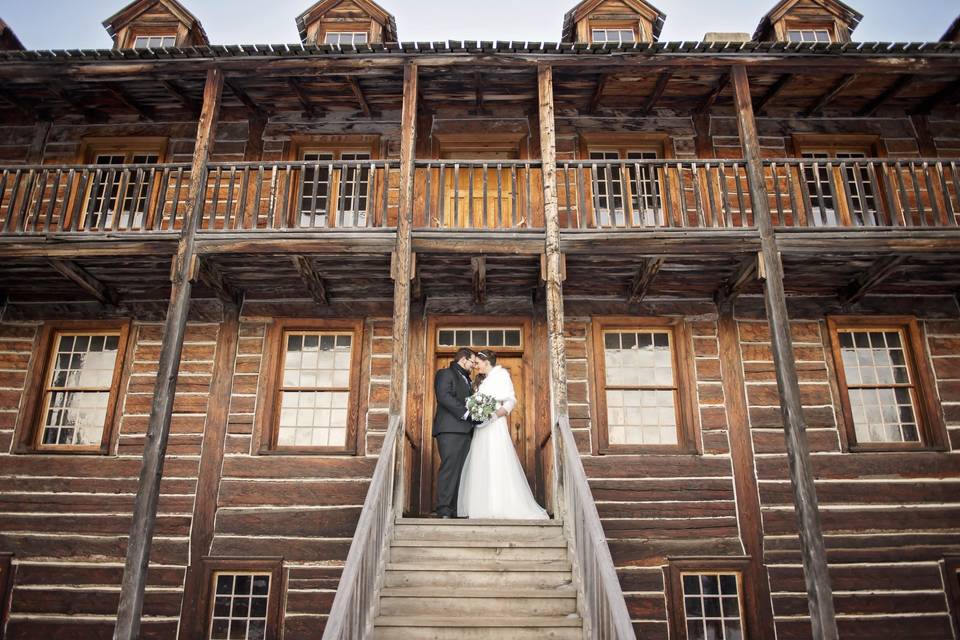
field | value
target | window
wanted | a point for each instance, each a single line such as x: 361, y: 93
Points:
x: 643, y: 188
x: 707, y: 599
x: 641, y: 396
x: 809, y: 35
x: 6, y: 578
x: 76, y: 393
x: 479, y: 338
x: 346, y: 37
x: 883, y: 386
x: 102, y: 210
x: 341, y: 178
x: 835, y: 175
x: 613, y: 36
x: 316, y: 387
x: 951, y: 568
x: 154, y: 42
x: 242, y: 598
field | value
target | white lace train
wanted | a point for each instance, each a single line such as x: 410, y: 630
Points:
x: 493, y: 484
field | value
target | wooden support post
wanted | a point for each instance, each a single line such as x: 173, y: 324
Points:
x: 598, y: 92
x: 553, y: 258
x: 161, y: 409
x: 41, y: 132
x: 760, y: 104
x: 253, y: 149
x: 478, y: 270
x: 643, y: 279
x: 192, y: 619
x: 711, y: 97
x: 211, y: 276
x: 82, y: 278
x: 926, y: 144
x: 658, y: 92
x: 871, y: 278
x: 403, y: 271
x: 830, y: 95
x: 311, y: 280
x: 358, y: 94
x: 819, y: 592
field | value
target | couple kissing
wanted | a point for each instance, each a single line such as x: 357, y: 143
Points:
x: 480, y: 475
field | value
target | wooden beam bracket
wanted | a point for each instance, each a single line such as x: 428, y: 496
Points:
x: 82, y: 278
x: 311, y: 279
x: 644, y: 277
x: 478, y: 269
x: 830, y: 95
x: 211, y: 276
x: 746, y: 273
x: 871, y: 278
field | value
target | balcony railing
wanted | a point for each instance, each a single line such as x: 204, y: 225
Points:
x: 313, y: 195
x: 500, y: 194
x: 93, y: 198
x: 506, y: 195
x: 863, y: 192
x: 653, y: 194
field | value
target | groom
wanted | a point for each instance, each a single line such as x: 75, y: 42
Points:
x: 453, y: 428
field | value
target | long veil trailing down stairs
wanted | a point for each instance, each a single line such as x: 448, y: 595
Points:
x: 413, y: 578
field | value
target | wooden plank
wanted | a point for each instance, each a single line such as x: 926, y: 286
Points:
x: 311, y: 279
x: 66, y: 94
x: 658, y: 91
x: 819, y: 591
x: 871, y: 278
x: 711, y: 97
x: 308, y: 109
x: 79, y: 276
x: 478, y: 269
x: 554, y: 266
x: 925, y: 141
x: 154, y: 451
x: 759, y: 609
x: 643, y: 279
x: 828, y: 97
x: 243, y: 97
x: 598, y: 92
x: 931, y: 103
x: 177, y: 92
x: 775, y: 90
x: 892, y: 91
x: 192, y: 619
x: 745, y: 274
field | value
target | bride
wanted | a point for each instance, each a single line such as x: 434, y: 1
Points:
x: 493, y: 484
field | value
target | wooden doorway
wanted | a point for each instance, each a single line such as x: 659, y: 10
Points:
x: 510, y: 338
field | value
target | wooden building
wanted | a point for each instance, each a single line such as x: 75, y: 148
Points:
x: 229, y: 272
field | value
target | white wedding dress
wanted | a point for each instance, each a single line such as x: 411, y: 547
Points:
x: 493, y: 484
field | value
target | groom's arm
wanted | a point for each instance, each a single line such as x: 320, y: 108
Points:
x: 445, y: 389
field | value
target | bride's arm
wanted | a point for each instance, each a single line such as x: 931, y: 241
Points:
x: 509, y: 399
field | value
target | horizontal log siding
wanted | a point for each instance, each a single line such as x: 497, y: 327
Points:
x: 302, y: 507
x: 655, y: 506
x: 888, y: 518
x: 66, y: 517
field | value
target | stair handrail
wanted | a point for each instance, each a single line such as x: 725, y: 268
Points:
x: 602, y: 606
x: 354, y: 606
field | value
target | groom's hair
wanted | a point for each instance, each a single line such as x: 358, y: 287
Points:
x: 462, y: 353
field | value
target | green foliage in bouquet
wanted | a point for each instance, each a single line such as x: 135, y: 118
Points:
x: 481, y: 407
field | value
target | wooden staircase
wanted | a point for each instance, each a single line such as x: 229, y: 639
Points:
x: 478, y: 579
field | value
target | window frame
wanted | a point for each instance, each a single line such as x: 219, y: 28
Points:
x: 268, y: 412
x: 212, y: 566
x: 148, y: 37
x: 684, y: 376
x: 29, y: 429
x: 677, y: 567
x: 6, y: 584
x: 791, y: 28
x: 605, y: 24
x: 930, y: 426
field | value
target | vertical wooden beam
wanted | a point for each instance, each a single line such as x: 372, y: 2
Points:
x: 819, y: 592
x: 478, y: 270
x: 253, y: 149
x: 757, y: 600
x: 192, y: 619
x: 926, y: 144
x: 158, y: 429
x: 403, y: 272
x: 553, y: 259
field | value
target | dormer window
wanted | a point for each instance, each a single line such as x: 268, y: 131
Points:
x: 345, y: 37
x: 155, y: 42
x: 613, y: 36
x: 809, y: 35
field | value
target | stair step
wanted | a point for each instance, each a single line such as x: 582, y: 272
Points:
x: 479, y: 622
x: 399, y: 576
x: 485, y: 553
x: 430, y: 592
x: 482, y: 633
x: 478, y: 532
x: 455, y: 603
x: 469, y: 522
x: 503, y: 544
x: 459, y: 567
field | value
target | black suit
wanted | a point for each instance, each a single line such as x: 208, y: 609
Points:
x: 453, y: 433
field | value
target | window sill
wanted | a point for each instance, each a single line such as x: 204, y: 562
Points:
x: 317, y: 451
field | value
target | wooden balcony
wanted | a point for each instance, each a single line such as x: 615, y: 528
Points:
x: 635, y: 195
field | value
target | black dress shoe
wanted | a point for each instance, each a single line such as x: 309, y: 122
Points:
x: 446, y: 516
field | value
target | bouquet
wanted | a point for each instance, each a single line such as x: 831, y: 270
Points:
x: 481, y: 407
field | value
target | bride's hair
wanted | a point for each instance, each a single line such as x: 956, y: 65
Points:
x: 489, y: 356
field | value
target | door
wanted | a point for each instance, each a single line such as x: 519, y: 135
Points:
x: 509, y: 343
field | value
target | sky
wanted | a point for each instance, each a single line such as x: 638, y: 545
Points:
x: 76, y: 24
